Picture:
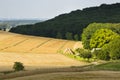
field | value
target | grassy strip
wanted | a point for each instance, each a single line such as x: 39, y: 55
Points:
x: 78, y: 58
x: 111, y: 66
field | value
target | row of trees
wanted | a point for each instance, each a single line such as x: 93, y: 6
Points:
x: 73, y: 22
x: 69, y: 36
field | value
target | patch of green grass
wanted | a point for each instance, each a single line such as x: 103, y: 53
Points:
x: 78, y: 57
x: 113, y: 66
x: 74, y: 57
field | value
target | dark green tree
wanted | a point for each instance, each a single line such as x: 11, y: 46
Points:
x: 76, y: 37
x: 59, y: 35
x: 69, y: 36
x: 18, y: 66
x: 101, y: 54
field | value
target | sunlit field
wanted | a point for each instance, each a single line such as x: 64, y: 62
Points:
x: 34, y: 52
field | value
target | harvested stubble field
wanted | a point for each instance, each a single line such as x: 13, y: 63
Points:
x: 41, y: 60
x: 34, y: 52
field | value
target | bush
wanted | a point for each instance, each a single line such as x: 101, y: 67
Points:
x: 79, y: 50
x: 86, y: 54
x: 18, y: 66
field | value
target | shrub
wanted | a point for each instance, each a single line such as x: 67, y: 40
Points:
x: 79, y: 50
x: 18, y: 66
x: 85, y: 54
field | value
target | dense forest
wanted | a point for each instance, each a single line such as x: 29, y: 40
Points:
x: 71, y: 25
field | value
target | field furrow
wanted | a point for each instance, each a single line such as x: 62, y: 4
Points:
x: 7, y: 43
x: 40, y: 44
x: 52, y: 46
x: 27, y: 45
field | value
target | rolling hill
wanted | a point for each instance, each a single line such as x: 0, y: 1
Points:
x: 73, y: 22
x: 34, y: 52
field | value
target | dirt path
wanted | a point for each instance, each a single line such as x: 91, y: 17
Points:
x: 78, y: 75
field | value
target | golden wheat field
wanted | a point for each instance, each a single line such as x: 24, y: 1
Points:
x: 34, y: 52
x: 41, y: 58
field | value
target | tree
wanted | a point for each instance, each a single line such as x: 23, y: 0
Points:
x: 114, y: 49
x: 91, y: 29
x: 101, y: 54
x: 74, y: 21
x: 69, y: 36
x: 76, y: 37
x: 18, y: 66
x: 59, y: 35
x: 102, y: 37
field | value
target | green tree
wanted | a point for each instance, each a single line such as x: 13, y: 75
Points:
x: 59, y: 35
x: 102, y: 37
x: 69, y: 36
x: 76, y: 37
x: 91, y: 29
x: 114, y: 49
x: 18, y: 66
x: 101, y: 54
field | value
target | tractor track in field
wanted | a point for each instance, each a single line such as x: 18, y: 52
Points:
x: 40, y: 45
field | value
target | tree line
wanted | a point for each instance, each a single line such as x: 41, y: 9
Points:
x: 72, y: 23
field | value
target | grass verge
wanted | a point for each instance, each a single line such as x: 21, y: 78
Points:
x: 111, y: 66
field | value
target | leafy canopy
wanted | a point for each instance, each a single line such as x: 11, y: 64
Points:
x: 102, y: 37
x: 91, y: 29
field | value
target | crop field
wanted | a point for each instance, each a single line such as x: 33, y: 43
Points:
x: 34, y: 52
x: 21, y: 43
x: 41, y: 58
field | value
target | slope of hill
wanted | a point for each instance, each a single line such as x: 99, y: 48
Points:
x: 34, y: 52
x: 73, y: 22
